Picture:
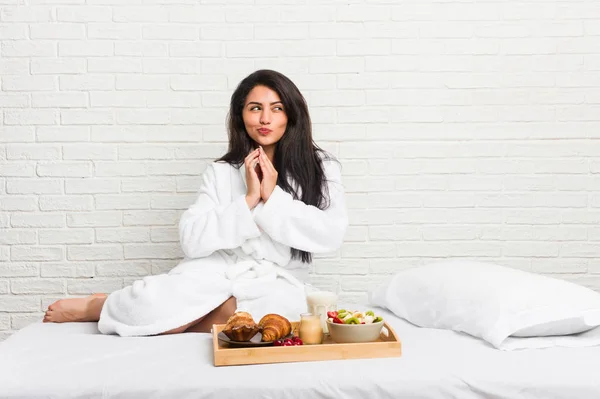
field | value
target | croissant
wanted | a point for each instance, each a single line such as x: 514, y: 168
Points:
x: 241, y: 327
x: 274, y: 327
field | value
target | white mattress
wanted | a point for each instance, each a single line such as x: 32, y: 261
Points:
x: 75, y: 361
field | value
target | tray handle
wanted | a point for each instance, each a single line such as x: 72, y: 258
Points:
x: 388, y: 333
x: 385, y: 332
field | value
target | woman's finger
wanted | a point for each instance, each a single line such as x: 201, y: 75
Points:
x: 268, y: 164
x: 263, y: 165
x: 252, y: 159
x: 252, y: 171
x: 252, y: 154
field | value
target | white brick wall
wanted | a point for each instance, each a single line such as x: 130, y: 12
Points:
x: 465, y: 130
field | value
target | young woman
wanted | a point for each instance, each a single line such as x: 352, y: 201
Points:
x: 263, y: 209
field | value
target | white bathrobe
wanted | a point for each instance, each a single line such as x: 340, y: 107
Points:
x: 232, y: 251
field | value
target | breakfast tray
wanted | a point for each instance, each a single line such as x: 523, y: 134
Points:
x: 388, y: 345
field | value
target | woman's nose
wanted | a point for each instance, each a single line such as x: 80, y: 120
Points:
x: 265, y: 117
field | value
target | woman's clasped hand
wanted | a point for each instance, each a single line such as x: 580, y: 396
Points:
x: 261, y: 177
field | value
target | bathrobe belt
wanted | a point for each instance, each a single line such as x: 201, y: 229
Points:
x: 250, y: 278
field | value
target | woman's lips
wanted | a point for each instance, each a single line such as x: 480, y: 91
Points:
x: 264, y: 131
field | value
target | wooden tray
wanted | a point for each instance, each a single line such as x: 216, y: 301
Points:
x: 386, y: 346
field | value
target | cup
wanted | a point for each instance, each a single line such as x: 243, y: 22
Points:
x: 319, y: 302
x: 310, y: 331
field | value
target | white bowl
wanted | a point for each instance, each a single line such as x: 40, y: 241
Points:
x: 350, y: 333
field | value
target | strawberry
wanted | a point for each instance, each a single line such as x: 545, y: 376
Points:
x: 338, y: 320
x: 332, y: 314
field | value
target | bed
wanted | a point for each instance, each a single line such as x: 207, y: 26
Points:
x: 76, y: 361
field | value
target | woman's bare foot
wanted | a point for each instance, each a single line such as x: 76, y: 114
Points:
x: 75, y: 309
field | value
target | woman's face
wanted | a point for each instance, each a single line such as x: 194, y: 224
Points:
x: 264, y: 116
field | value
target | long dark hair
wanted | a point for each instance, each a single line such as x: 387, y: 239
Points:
x: 298, y: 160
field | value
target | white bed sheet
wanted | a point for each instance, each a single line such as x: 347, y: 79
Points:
x: 75, y: 361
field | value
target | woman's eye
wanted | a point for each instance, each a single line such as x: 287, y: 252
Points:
x: 255, y: 108
x: 278, y: 108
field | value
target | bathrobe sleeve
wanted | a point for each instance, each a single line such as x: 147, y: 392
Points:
x: 208, y: 226
x: 306, y: 227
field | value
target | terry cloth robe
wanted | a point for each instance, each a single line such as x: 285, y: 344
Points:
x: 232, y: 251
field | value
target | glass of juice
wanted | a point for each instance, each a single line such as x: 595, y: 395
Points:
x: 311, y: 331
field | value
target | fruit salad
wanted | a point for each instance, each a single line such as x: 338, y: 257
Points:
x: 344, y: 316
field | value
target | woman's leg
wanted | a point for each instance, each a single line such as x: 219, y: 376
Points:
x: 76, y: 309
x: 89, y: 308
x: 219, y: 315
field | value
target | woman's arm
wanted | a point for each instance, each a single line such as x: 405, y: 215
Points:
x: 306, y: 227
x: 208, y: 226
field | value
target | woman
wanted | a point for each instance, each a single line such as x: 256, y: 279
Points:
x: 263, y: 208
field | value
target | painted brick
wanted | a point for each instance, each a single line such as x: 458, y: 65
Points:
x: 94, y: 219
x: 64, y: 169
x: 96, y: 252
x: 72, y: 269
x: 36, y: 220
x: 21, y: 303
x: 36, y: 253
x: 37, y: 286
x: 93, y: 286
x: 122, y: 235
x: 67, y: 236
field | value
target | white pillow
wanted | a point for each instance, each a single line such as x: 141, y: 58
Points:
x: 490, y: 302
